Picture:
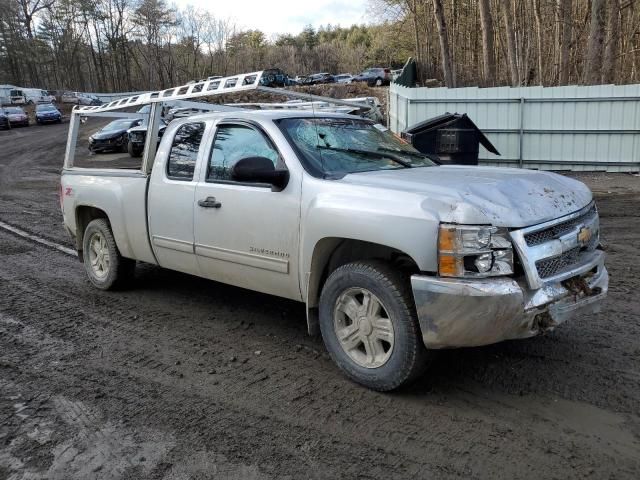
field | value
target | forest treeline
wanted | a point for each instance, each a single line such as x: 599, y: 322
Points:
x: 126, y: 45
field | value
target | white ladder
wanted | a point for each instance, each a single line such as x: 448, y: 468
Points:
x: 208, y: 88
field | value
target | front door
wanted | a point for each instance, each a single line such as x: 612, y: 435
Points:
x: 246, y: 234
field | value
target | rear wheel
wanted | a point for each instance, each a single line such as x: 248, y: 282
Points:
x: 369, y: 325
x: 105, y: 267
x: 378, y: 82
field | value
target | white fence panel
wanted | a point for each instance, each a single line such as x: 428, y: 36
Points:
x: 552, y: 128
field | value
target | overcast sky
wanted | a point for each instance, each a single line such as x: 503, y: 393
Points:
x: 284, y: 16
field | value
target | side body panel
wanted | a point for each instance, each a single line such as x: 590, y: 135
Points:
x: 394, y: 219
x: 121, y: 195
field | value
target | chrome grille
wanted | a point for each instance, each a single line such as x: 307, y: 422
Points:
x: 554, y: 250
x: 552, y: 266
x: 555, y: 231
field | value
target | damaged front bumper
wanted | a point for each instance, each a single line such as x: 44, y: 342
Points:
x: 466, y: 313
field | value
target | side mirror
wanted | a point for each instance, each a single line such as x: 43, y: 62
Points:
x: 259, y: 170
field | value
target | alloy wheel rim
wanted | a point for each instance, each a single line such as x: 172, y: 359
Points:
x: 363, y: 327
x: 99, y: 255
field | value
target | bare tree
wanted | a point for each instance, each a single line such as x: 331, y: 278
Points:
x: 29, y: 9
x: 612, y: 48
x: 488, y: 53
x: 126, y: 45
x: 445, y: 52
x: 564, y: 32
x: 511, y: 43
x: 539, y: 40
x: 593, y: 68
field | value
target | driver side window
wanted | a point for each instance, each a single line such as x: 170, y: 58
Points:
x: 233, y: 143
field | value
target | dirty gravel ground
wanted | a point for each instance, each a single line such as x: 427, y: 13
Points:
x: 181, y: 378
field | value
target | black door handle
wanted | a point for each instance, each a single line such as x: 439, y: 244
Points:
x: 209, y: 202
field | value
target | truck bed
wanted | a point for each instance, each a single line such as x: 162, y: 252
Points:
x: 121, y: 193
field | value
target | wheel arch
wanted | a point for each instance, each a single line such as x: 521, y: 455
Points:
x: 332, y: 252
x: 85, y: 214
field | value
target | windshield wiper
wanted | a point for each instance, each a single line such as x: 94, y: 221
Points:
x: 367, y: 153
x: 433, y: 158
x: 403, y: 152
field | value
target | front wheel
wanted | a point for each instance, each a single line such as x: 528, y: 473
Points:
x: 369, y: 325
x: 105, y: 267
x: 133, y: 151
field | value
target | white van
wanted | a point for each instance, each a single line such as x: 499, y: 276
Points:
x: 36, y: 95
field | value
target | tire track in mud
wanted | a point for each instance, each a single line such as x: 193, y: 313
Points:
x: 288, y: 409
x: 62, y: 324
x: 300, y: 392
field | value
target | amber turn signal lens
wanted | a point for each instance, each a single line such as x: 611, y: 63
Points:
x: 449, y: 265
x: 447, y: 239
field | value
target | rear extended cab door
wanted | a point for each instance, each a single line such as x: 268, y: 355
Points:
x: 170, y: 200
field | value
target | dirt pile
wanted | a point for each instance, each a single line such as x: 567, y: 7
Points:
x: 332, y: 90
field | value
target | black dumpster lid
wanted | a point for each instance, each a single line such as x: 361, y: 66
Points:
x: 451, y: 119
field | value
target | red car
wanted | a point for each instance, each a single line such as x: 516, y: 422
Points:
x: 17, y: 116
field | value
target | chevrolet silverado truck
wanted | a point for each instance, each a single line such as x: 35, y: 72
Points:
x: 394, y: 255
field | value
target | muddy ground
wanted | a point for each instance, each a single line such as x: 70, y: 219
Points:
x: 183, y: 378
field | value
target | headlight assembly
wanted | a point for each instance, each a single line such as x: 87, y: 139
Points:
x: 474, y: 251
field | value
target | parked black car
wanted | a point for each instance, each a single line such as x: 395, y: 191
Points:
x: 319, y: 78
x: 47, y: 113
x: 4, y: 120
x: 376, y: 76
x: 113, y: 136
x: 138, y: 136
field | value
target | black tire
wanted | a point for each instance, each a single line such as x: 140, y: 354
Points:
x: 408, y: 357
x: 133, y: 152
x: 120, y: 269
x: 125, y: 143
x: 378, y: 82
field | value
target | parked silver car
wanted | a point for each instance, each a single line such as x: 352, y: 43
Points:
x: 376, y: 76
x: 343, y: 78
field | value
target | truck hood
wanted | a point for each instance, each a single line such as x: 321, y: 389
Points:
x: 503, y: 197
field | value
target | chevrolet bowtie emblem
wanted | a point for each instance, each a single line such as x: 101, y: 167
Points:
x: 584, y: 235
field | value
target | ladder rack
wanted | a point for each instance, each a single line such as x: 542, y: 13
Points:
x: 184, y: 94
x: 208, y: 88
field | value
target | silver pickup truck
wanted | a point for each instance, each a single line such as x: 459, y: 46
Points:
x: 394, y: 255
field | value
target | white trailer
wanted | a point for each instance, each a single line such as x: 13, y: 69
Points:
x: 12, y: 95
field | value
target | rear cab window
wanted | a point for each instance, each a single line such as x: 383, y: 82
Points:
x: 184, y: 151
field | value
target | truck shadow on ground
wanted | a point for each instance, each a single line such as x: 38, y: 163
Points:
x: 548, y: 364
